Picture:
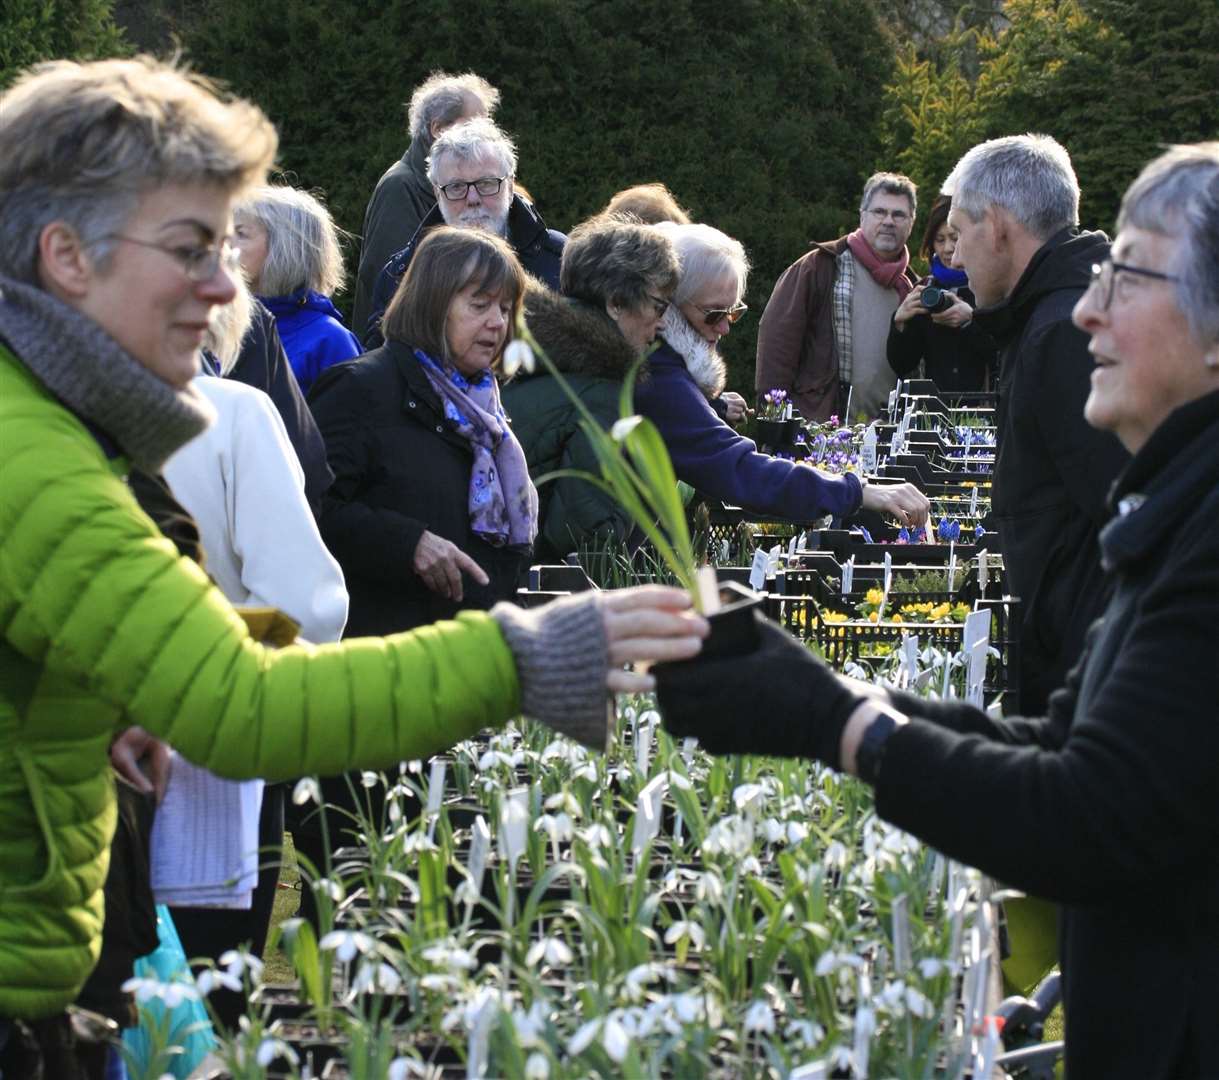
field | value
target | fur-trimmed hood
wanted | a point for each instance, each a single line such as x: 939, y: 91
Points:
x: 579, y: 339
x: 707, y: 368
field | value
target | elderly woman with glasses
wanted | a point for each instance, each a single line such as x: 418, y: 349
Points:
x: 117, y: 181
x: 616, y: 279
x: 1116, y: 791
x: 687, y: 371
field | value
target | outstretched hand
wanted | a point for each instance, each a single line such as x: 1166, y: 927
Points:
x: 778, y: 699
x: 902, y: 501
x: 441, y: 563
x: 648, y: 624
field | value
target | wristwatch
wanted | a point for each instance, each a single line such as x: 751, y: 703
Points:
x: 871, y: 751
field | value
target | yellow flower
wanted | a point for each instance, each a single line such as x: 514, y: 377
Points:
x: 833, y: 617
x: 874, y: 596
x: 897, y: 617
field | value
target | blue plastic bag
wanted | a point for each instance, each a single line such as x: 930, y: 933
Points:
x: 188, y: 1023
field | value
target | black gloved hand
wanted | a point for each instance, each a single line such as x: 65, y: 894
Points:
x: 778, y: 699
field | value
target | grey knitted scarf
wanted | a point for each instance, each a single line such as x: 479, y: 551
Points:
x: 87, y: 370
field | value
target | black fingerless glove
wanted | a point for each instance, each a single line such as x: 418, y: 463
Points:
x: 778, y: 700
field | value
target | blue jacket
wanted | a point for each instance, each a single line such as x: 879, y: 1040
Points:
x: 313, y: 334
x: 540, y: 250
x: 710, y: 456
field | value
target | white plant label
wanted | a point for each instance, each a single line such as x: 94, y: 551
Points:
x: 725, y: 551
x: 772, y: 561
x: 848, y: 575
x: 643, y: 743
x: 708, y: 589
x: 973, y: 502
x: 757, y: 572
x: 901, y: 934
x: 435, y: 794
x: 647, y: 812
x: 514, y: 825
x: 952, y: 567
x: 983, y: 569
x: 791, y: 546
x: 480, y: 848
x: 867, y: 457
x: 977, y: 644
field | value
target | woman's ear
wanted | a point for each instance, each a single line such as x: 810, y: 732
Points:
x: 63, y: 264
x: 613, y: 310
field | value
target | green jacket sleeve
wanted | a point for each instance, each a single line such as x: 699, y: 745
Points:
x: 91, y: 591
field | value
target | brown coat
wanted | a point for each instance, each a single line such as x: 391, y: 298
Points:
x: 797, y: 351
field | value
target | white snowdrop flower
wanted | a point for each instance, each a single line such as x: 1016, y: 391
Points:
x: 893, y: 996
x: 688, y: 1007
x: 835, y: 856
x: 553, y: 952
x: 329, y: 887
x: 918, y: 1003
x: 615, y: 1039
x: 440, y: 984
x: 559, y: 827
x: 929, y: 967
x: 750, y: 865
x: 584, y: 1036
x: 676, y: 780
x: 537, y: 1067
x: 378, y: 978
x: 760, y: 1017
x: 797, y: 832
x: 450, y: 956
x: 492, y: 758
x: 369, y: 779
x: 643, y: 975
x: 465, y: 893
x: 346, y: 943
x: 773, y: 831
x: 418, y: 841
x: 270, y: 1049
x: 210, y: 978
x: 710, y: 887
x: 596, y: 836
x: 307, y: 790
x: 517, y: 355
x: 841, y: 1058
x: 404, y: 1068
x: 529, y: 1025
x: 237, y: 962
x: 732, y: 836
x: 587, y: 771
x: 684, y: 929
x: 805, y: 1032
x: 565, y: 801
x: 748, y: 796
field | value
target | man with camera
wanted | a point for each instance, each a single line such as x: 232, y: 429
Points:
x: 823, y: 334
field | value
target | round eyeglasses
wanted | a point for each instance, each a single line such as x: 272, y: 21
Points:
x: 1104, y: 277
x: 199, y: 262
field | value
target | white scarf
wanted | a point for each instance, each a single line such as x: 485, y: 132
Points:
x: 705, y: 365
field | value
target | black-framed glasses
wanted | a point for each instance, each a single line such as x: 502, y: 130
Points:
x: 199, y: 262
x: 717, y: 315
x: 1104, y: 277
x: 484, y: 185
x: 661, y: 305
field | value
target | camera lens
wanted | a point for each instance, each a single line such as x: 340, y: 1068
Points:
x: 935, y: 299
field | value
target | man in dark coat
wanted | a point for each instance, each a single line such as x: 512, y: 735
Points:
x: 1015, y: 206
x: 473, y: 168
x: 404, y: 194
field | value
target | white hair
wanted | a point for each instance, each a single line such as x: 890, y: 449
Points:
x: 469, y: 141
x: 706, y: 255
x: 302, y: 241
x: 446, y: 98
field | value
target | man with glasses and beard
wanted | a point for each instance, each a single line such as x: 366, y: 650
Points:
x: 822, y: 337
x: 472, y: 168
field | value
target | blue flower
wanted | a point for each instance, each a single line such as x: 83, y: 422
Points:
x: 979, y: 532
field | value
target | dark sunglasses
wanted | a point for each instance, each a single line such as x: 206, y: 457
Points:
x: 716, y: 315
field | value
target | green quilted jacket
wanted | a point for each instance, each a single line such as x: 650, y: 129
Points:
x: 102, y: 625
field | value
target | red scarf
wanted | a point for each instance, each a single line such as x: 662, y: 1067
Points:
x: 887, y: 274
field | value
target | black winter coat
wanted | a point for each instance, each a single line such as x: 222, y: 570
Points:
x: 399, y: 469
x: 264, y: 365
x: 1052, y: 470
x: 540, y: 250
x: 957, y: 359
x: 1110, y: 806
x: 587, y: 347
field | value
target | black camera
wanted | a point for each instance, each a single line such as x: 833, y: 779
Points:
x: 935, y: 299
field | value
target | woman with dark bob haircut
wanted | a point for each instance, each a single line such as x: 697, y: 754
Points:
x: 615, y: 281
x: 1115, y: 794
x: 933, y: 326
x: 117, y: 181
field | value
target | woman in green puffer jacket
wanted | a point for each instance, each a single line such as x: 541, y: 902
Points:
x: 116, y: 185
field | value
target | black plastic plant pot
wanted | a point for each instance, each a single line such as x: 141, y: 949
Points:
x: 734, y: 628
x: 775, y: 432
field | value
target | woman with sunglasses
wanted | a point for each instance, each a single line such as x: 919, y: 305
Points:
x: 615, y: 281
x: 687, y: 371
x: 1110, y: 804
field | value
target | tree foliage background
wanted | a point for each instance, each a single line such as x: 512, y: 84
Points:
x: 764, y: 117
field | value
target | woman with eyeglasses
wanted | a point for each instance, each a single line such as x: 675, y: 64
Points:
x: 1110, y: 804
x: 615, y: 281
x: 686, y: 371
x: 117, y: 180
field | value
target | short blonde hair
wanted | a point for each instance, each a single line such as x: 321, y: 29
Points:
x: 302, y: 241
x: 80, y: 143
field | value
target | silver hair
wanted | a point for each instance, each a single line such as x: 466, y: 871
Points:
x: 1029, y: 176
x: 302, y: 241
x: 889, y: 183
x: 706, y: 255
x: 1177, y: 195
x: 445, y: 97
x: 229, y: 326
x: 472, y: 140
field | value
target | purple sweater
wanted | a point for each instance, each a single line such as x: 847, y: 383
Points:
x: 711, y: 457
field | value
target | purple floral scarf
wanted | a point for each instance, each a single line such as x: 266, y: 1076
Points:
x: 503, y: 500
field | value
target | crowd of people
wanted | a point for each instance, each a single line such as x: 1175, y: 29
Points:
x: 147, y: 271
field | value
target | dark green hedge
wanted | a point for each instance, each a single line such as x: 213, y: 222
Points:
x: 761, y: 115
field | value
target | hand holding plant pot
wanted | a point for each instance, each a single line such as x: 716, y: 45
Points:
x: 778, y: 700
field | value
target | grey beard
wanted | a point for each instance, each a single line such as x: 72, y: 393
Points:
x: 480, y: 219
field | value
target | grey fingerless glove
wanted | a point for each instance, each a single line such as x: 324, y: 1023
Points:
x: 562, y: 656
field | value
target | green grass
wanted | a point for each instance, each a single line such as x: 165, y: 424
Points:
x: 278, y: 969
